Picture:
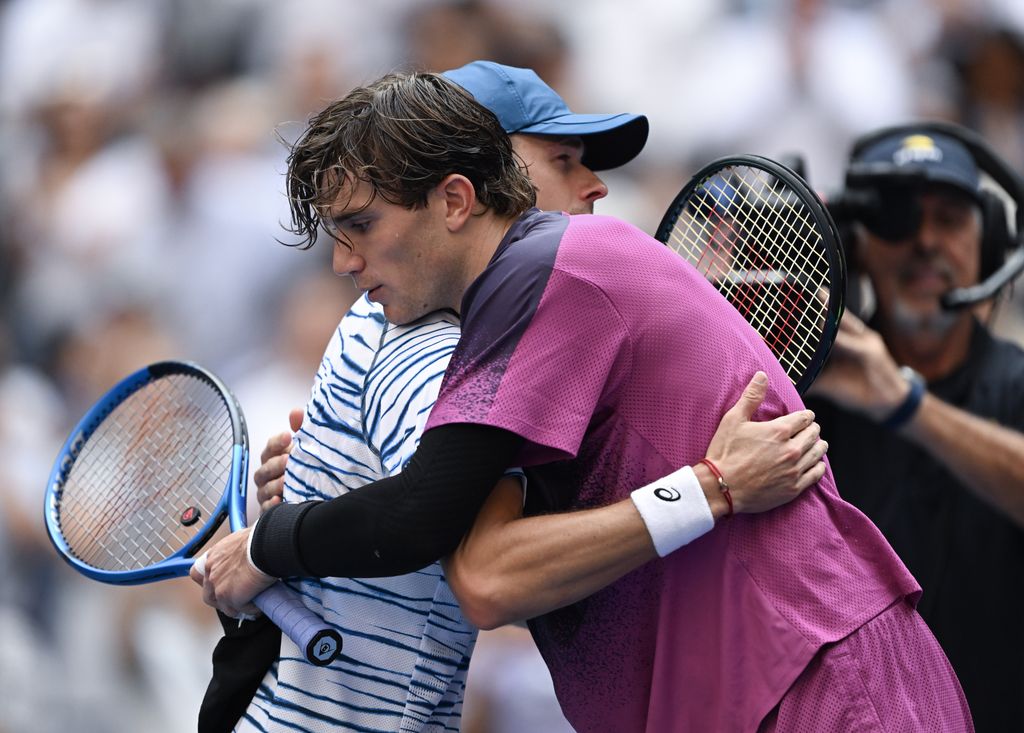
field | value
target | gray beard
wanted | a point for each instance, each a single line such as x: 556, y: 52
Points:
x: 916, y: 324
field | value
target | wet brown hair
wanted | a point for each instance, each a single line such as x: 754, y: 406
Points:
x: 402, y: 135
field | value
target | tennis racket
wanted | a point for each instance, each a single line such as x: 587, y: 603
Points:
x: 757, y: 231
x: 147, y: 477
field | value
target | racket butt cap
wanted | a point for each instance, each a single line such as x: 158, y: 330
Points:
x: 324, y: 647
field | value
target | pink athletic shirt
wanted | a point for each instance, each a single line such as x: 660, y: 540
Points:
x: 615, y: 360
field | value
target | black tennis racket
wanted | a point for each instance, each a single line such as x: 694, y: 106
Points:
x: 148, y: 476
x: 757, y: 231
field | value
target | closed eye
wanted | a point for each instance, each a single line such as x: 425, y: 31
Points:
x: 350, y: 224
x: 564, y: 159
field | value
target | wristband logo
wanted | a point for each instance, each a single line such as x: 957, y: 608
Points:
x: 667, y: 494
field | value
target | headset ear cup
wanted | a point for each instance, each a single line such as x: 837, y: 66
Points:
x: 996, y: 239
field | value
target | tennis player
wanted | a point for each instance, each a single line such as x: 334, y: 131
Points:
x: 407, y: 642
x: 596, y: 358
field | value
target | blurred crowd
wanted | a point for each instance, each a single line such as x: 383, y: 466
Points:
x: 142, y: 146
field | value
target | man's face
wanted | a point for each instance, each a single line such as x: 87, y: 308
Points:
x: 401, y: 258
x: 911, y: 275
x: 554, y: 165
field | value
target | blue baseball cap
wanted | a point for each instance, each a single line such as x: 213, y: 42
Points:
x: 523, y: 103
x: 925, y: 156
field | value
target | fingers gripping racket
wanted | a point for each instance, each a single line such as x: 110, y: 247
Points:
x: 765, y: 240
x: 147, y: 477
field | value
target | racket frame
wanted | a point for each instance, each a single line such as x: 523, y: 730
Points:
x: 231, y: 503
x: 318, y: 641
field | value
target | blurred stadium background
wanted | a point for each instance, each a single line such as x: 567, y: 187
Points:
x: 141, y: 160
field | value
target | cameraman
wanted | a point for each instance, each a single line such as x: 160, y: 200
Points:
x: 923, y: 408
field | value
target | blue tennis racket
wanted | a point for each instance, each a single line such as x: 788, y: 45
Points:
x: 147, y: 477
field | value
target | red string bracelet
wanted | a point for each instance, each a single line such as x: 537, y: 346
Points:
x: 722, y: 484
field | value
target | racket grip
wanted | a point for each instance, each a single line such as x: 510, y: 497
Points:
x: 320, y: 642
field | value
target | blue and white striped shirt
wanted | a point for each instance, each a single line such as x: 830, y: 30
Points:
x: 406, y: 644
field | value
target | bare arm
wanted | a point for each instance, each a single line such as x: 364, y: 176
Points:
x: 510, y: 568
x: 986, y: 457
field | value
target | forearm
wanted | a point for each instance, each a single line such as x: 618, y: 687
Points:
x: 985, y: 456
x: 510, y: 568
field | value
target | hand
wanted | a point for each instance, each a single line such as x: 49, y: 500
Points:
x: 766, y: 463
x: 269, y: 477
x: 229, y: 580
x: 861, y: 374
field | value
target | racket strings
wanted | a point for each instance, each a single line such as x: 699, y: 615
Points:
x: 796, y: 223
x: 790, y: 225
x: 742, y: 285
x: 743, y: 289
x: 164, y: 449
x: 130, y: 526
x: 764, y: 225
x: 759, y: 244
x: 774, y: 226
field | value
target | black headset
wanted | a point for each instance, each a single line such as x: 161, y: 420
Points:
x: 1002, y: 248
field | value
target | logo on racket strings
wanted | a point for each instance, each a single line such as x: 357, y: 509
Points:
x: 190, y: 516
x: 666, y: 494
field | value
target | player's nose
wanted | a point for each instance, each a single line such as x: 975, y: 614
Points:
x: 593, y: 189
x: 345, y: 261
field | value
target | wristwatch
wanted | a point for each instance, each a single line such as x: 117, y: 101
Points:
x: 908, y: 408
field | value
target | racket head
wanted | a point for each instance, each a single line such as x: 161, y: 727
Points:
x: 148, y: 475
x: 756, y: 230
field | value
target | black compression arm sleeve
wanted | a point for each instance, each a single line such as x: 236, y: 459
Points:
x: 396, y: 525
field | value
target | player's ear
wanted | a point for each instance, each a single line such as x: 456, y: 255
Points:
x: 458, y: 196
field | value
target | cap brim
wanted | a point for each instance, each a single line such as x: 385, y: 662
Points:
x: 911, y: 175
x: 948, y: 179
x: 608, y: 140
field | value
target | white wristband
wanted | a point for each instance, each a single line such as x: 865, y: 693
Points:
x: 674, y: 509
